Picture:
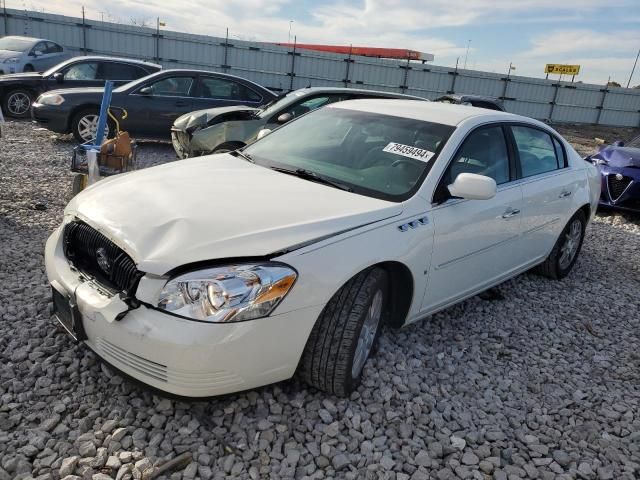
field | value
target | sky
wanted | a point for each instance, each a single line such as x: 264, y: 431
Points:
x: 601, y: 36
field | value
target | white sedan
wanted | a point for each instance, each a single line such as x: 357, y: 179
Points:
x: 223, y: 273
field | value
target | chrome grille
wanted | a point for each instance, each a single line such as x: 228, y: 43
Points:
x: 95, y: 255
x: 617, y: 187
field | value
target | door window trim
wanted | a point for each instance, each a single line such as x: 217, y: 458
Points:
x: 200, y: 81
x: 190, y: 96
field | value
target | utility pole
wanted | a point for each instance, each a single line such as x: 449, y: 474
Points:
x: 290, y: 23
x: 633, y: 69
x: 466, y: 55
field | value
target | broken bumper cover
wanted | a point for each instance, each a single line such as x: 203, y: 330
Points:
x: 179, y: 356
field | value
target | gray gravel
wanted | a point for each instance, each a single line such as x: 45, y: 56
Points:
x: 539, y: 381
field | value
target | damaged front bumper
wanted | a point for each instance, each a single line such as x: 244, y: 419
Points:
x: 175, y: 355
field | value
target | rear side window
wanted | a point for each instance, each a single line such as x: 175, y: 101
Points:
x: 120, y: 71
x: 484, y: 152
x: 227, y: 90
x: 536, y: 150
x: 172, y: 87
x: 53, y: 48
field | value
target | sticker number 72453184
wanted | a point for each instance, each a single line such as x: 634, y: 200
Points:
x: 409, y: 151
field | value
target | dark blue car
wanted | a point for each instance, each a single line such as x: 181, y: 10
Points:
x: 620, y: 169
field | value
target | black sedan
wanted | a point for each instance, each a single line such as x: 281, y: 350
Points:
x: 479, y: 101
x: 151, y: 103
x: 18, y: 91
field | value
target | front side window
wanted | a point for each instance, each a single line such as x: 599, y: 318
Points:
x: 377, y: 155
x: 172, y: 87
x: 40, y: 47
x: 301, y: 108
x: 484, y: 152
x: 53, y: 48
x: 536, y: 150
x: 82, y: 71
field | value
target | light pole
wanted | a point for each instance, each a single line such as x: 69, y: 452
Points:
x: 511, y: 67
x: 290, y: 23
x: 634, y: 68
x: 466, y: 55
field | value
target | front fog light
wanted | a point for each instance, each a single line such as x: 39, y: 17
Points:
x: 228, y: 294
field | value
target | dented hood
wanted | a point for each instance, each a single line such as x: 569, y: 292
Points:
x: 620, y: 156
x: 214, y: 208
x: 200, y: 118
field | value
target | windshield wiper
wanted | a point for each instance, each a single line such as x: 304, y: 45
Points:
x: 312, y: 176
x: 241, y: 154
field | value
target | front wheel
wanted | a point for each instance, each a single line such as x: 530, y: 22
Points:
x: 345, y: 334
x: 17, y: 103
x: 84, y: 125
x: 565, y: 252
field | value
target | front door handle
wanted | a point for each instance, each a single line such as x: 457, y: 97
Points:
x: 565, y: 194
x: 511, y: 212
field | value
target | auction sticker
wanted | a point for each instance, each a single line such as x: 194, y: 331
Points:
x: 408, y: 151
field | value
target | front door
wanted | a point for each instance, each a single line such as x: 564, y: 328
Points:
x: 476, y: 242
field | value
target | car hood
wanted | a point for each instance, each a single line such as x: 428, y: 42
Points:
x: 619, y: 157
x: 217, y: 207
x: 12, y: 77
x: 79, y: 91
x: 9, y: 54
x: 204, y: 117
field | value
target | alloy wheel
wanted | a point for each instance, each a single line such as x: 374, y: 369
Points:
x: 367, y: 334
x: 87, y: 127
x: 571, y: 243
x: 18, y: 103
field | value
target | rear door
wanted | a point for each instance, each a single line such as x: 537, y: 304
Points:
x: 168, y: 97
x: 547, y: 185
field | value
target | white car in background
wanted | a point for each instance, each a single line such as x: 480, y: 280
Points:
x: 227, y: 272
x: 26, y: 54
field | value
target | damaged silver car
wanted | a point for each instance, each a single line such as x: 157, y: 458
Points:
x: 224, y: 129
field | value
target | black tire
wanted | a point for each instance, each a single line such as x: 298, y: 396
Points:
x: 553, y: 267
x: 227, y: 147
x: 328, y: 358
x: 28, y: 68
x: 78, y: 131
x: 17, y: 103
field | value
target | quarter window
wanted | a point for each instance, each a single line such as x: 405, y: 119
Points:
x: 172, y: 87
x: 484, y: 152
x: 536, y: 150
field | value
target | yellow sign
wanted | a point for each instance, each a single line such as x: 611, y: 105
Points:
x: 562, y: 69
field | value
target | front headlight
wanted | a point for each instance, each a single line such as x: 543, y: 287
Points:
x: 231, y: 293
x: 12, y: 60
x: 51, y: 99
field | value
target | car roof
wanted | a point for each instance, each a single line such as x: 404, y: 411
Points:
x: 116, y: 59
x: 444, y: 113
x: 33, y: 39
x: 313, y: 90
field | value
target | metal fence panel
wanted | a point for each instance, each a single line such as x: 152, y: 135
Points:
x: 278, y: 68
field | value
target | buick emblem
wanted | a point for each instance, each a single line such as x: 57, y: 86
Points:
x: 103, y: 260
x: 619, y: 176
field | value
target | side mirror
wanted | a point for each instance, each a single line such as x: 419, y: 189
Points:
x: 58, y: 77
x: 263, y: 133
x: 146, y: 91
x: 473, y: 187
x: 284, y: 118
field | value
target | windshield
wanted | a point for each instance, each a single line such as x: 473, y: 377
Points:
x: 377, y: 155
x: 15, y: 44
x: 137, y: 82
x: 272, y: 107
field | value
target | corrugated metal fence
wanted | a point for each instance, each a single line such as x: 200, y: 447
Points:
x: 283, y: 69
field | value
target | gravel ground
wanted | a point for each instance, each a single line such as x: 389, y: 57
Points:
x: 540, y: 379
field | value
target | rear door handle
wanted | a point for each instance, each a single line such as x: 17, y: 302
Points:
x: 565, y: 194
x: 512, y: 212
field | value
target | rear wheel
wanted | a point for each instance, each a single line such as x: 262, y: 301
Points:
x: 346, y: 333
x: 84, y: 125
x: 17, y: 103
x: 565, y: 252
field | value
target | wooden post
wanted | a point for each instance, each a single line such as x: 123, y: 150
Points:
x: 158, y: 39
x: 553, y: 102
x: 404, y: 85
x: 225, y: 67
x: 348, y: 60
x: 453, y: 82
x: 84, y: 33
x: 4, y: 14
